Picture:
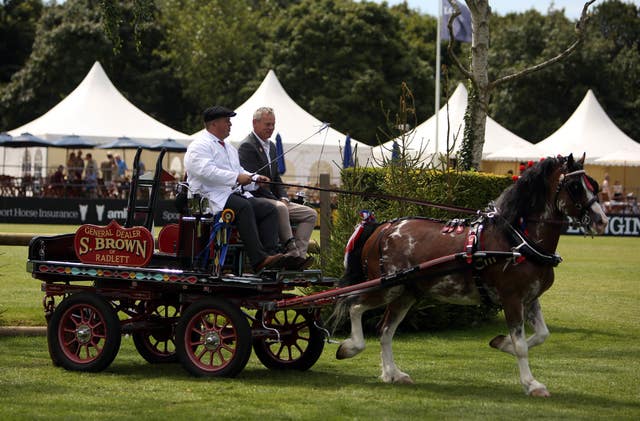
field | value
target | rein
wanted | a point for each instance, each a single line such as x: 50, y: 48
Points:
x: 381, y: 196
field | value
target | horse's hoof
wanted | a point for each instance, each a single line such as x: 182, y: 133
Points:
x: 406, y: 379
x: 345, y: 352
x: 497, y: 341
x: 340, y: 355
x: 540, y: 393
x: 401, y: 378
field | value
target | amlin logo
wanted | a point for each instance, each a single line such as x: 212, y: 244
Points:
x: 100, y: 212
x: 83, y: 212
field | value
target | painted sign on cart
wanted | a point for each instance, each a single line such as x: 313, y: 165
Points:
x: 113, y: 245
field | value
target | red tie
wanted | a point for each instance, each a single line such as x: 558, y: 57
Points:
x: 221, y: 142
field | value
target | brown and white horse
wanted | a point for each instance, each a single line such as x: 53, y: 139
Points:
x: 522, y: 228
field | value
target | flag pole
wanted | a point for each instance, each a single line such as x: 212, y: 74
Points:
x: 437, y: 96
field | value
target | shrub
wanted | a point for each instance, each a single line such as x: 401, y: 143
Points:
x: 462, y: 189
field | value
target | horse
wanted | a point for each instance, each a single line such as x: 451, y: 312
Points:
x: 508, y: 259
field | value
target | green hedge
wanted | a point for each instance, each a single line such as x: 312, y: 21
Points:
x: 463, y: 189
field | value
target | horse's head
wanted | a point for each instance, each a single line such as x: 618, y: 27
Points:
x: 577, y: 196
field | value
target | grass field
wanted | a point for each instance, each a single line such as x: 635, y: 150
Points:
x: 590, y: 363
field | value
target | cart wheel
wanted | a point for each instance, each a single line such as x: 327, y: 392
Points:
x: 301, y: 342
x: 157, y: 345
x: 213, y: 338
x: 84, y: 333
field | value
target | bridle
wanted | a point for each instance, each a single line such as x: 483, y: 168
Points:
x: 583, y: 208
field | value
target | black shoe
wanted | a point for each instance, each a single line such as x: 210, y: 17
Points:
x: 307, y: 262
x: 270, y: 262
x: 298, y: 263
x: 291, y: 262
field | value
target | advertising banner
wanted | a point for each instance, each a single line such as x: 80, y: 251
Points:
x: 620, y: 225
x: 74, y: 211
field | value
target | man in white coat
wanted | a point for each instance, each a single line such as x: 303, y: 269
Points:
x: 214, y: 171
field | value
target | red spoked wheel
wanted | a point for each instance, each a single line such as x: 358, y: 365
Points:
x: 301, y: 342
x: 84, y: 333
x: 213, y: 338
x: 157, y: 345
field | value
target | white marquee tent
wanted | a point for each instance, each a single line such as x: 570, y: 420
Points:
x: 589, y: 130
x: 628, y: 156
x: 500, y: 144
x: 95, y: 110
x: 309, y: 151
x: 608, y: 149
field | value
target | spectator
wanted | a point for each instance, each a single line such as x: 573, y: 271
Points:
x: 605, y: 189
x: 108, y: 167
x: 121, y: 168
x: 91, y: 176
x: 121, y: 175
x: 618, y: 191
x: 79, y: 165
x: 71, y: 169
x: 56, y: 182
x: 141, y: 168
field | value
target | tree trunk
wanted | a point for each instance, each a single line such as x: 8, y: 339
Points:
x: 479, y: 92
x: 478, y: 74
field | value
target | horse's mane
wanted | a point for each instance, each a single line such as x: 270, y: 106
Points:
x: 529, y: 194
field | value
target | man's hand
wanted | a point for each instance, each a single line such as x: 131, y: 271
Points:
x: 243, y: 179
x: 261, y: 179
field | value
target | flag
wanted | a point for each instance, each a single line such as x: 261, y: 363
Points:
x: 395, y: 151
x: 461, y: 26
x: 347, y: 160
x: 282, y: 168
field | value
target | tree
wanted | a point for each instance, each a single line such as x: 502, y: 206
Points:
x: 535, y: 106
x: 345, y: 62
x: 69, y: 39
x: 17, y: 31
x: 215, y: 48
x: 478, y: 75
x: 613, y: 48
x: 608, y: 62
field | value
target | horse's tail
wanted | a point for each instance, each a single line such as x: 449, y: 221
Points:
x: 353, y: 267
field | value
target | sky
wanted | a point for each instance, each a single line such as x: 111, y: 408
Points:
x: 572, y: 8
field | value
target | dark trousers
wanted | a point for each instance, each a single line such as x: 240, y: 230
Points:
x: 257, y: 224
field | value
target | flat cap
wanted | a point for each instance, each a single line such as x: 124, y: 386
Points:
x: 217, y: 111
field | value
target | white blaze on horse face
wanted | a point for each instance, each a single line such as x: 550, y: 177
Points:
x: 599, y: 223
x: 602, y: 225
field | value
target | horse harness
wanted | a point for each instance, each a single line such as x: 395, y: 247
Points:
x: 522, y: 248
x: 584, y: 219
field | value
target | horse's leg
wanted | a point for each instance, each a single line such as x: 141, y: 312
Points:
x: 540, y: 331
x: 536, y: 320
x: 355, y: 344
x: 394, y: 314
x: 518, y: 346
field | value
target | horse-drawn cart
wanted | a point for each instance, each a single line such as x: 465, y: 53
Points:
x: 184, y: 296
x: 191, y: 299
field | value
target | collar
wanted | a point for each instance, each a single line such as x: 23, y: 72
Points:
x: 264, y: 143
x: 212, y: 137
